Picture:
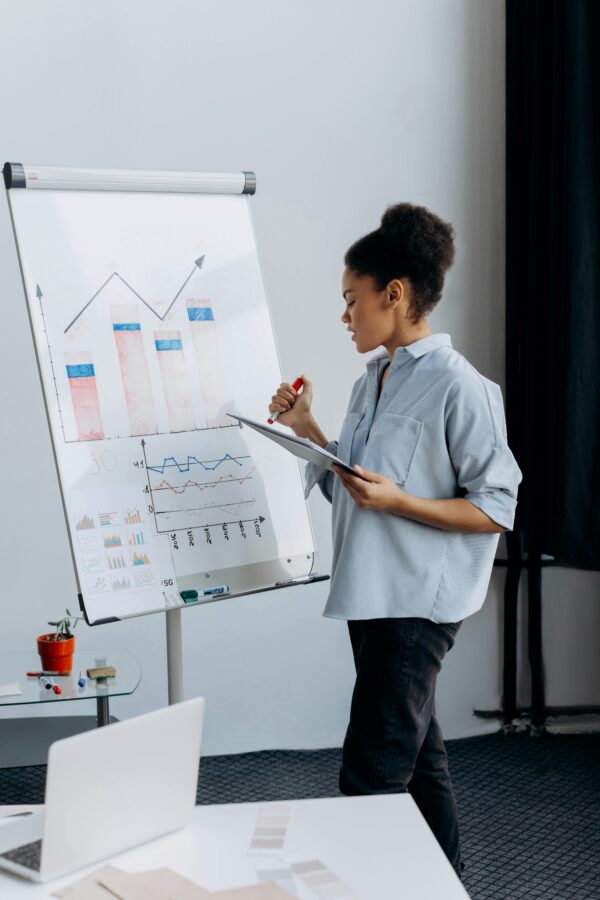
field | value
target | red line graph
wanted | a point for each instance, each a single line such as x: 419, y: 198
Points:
x: 201, y: 485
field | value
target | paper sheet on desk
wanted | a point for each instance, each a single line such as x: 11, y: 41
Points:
x: 301, y: 447
x: 87, y: 888
x: 157, y: 884
x: 266, y: 891
x: 109, y: 883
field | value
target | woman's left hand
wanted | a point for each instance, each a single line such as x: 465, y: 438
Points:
x: 371, y: 490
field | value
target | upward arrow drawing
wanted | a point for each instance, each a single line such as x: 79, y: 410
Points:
x: 198, y: 263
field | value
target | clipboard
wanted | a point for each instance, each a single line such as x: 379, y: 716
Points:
x: 300, y: 447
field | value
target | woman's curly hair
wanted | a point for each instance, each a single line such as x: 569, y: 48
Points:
x: 411, y: 242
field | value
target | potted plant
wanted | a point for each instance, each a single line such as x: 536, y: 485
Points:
x: 56, y: 649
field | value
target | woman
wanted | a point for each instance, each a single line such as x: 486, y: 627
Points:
x: 415, y: 530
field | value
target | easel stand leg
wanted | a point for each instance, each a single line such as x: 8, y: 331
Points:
x: 174, y: 656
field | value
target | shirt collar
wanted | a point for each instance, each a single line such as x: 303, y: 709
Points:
x: 416, y: 349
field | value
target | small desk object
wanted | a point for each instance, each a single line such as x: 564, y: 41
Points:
x: 13, y: 668
x: 372, y: 848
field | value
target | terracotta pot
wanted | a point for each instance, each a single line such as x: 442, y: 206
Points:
x: 56, y: 656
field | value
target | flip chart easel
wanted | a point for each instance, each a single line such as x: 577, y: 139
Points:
x: 146, y: 302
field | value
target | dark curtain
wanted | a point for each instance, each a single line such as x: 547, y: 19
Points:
x: 553, y: 274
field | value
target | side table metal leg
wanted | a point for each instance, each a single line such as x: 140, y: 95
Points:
x: 103, y: 713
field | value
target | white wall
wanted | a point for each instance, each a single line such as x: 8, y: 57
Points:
x: 341, y: 108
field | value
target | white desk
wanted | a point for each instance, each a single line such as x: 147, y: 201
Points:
x: 380, y: 846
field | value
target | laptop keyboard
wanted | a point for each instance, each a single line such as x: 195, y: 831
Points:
x: 29, y: 855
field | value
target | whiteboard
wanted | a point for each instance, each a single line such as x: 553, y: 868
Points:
x: 150, y: 323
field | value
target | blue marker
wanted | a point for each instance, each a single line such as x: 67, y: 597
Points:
x: 81, y: 682
x: 215, y: 591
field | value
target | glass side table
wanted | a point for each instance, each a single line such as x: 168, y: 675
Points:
x: 15, y: 665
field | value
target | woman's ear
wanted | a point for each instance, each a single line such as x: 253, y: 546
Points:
x: 395, y: 291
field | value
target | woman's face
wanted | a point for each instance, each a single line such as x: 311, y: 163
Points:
x: 367, y: 313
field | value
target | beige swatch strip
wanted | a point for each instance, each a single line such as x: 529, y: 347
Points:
x: 271, y: 828
x: 321, y: 880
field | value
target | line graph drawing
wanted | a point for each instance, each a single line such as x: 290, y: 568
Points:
x: 145, y: 578
x: 97, y: 585
x: 170, y: 461
x: 180, y: 501
x: 197, y: 265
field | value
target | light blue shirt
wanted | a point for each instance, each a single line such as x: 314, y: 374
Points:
x: 438, y: 430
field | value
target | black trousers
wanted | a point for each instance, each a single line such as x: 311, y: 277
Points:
x: 394, y: 743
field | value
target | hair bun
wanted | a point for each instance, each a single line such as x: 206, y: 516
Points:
x: 413, y: 242
x: 395, y: 217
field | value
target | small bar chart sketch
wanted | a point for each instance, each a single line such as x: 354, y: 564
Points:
x: 84, y: 396
x: 134, y: 369
x: 176, y: 385
x: 192, y: 493
x: 140, y: 559
x: 85, y: 523
x: 209, y: 361
x: 116, y: 562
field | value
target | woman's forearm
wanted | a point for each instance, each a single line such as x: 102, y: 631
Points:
x: 310, y: 429
x: 456, y: 514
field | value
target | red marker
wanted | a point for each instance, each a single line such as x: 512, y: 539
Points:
x: 296, y: 385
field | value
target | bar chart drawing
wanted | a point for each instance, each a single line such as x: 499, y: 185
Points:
x: 134, y: 369
x: 121, y: 584
x: 192, y: 492
x: 84, y: 396
x: 209, y: 361
x: 140, y: 559
x: 143, y: 381
x: 84, y: 523
x: 175, y: 381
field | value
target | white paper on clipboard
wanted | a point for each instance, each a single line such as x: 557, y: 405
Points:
x: 301, y: 447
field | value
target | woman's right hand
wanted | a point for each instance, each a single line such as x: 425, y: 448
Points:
x: 293, y: 406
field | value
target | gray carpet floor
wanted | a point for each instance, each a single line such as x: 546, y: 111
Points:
x: 529, y: 807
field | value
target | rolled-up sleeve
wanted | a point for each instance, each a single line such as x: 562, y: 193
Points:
x: 325, y: 478
x: 476, y: 437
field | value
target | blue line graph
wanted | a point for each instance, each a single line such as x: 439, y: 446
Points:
x: 183, y: 496
x: 171, y: 462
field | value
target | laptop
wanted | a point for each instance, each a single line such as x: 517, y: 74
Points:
x: 108, y: 790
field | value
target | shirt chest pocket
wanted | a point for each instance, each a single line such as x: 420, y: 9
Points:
x: 392, y: 445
